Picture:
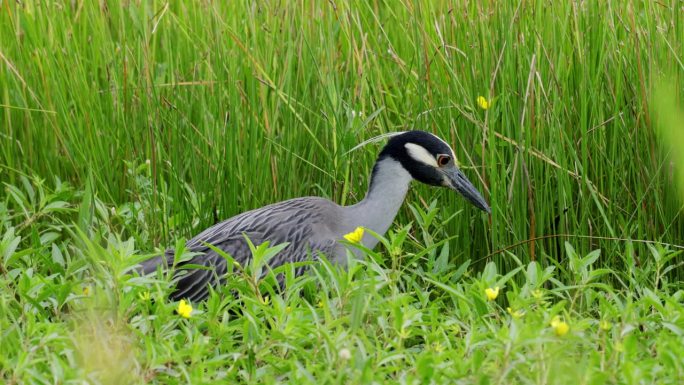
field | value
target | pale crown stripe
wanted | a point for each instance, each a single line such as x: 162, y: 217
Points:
x: 453, y: 155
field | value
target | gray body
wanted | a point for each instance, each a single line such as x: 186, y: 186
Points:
x: 309, y: 225
x: 313, y: 225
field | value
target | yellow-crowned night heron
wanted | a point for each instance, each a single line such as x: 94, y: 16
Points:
x: 311, y: 225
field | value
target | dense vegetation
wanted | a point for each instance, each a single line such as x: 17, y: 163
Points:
x: 129, y: 126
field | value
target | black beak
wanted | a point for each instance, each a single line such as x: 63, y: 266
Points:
x: 457, y: 181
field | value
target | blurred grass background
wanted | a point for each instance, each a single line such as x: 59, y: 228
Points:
x: 240, y: 104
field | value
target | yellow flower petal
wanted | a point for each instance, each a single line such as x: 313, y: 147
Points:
x: 492, y: 293
x: 482, y: 102
x: 355, y: 236
x: 184, y: 309
x: 561, y: 329
x: 559, y: 326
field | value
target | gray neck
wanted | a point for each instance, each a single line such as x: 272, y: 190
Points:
x: 388, y: 187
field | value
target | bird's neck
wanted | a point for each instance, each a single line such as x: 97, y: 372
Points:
x: 386, y: 192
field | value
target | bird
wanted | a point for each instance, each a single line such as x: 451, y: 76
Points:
x: 312, y: 225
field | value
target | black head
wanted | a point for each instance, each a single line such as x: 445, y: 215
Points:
x: 430, y: 160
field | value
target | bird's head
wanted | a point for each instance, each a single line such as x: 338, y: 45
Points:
x: 430, y: 160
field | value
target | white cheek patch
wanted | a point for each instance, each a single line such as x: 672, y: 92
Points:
x: 446, y: 182
x: 420, y: 154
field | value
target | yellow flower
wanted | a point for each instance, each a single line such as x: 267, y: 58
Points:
x: 492, y: 293
x: 184, y: 309
x: 561, y: 329
x: 514, y: 313
x: 605, y: 325
x: 482, y: 102
x: 86, y: 290
x: 355, y: 236
x: 559, y: 326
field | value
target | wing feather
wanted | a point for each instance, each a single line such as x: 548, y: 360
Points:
x: 306, y: 224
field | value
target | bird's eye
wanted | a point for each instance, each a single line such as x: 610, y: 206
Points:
x: 443, y: 160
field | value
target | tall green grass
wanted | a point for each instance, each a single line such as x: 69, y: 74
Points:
x: 236, y: 105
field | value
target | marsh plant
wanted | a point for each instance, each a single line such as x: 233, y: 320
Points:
x: 127, y: 127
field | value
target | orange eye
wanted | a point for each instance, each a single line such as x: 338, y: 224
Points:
x: 443, y: 160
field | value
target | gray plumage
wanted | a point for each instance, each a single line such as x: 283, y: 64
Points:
x: 313, y: 225
x: 300, y: 222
